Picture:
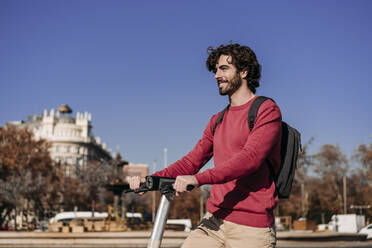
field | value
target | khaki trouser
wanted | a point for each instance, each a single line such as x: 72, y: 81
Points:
x: 214, y: 232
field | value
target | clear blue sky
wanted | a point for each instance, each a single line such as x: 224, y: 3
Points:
x: 139, y: 66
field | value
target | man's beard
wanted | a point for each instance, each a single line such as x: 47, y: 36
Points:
x: 232, y: 86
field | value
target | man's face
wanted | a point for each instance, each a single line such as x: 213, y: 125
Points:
x: 227, y: 76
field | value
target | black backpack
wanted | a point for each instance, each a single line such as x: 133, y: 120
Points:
x: 290, y: 147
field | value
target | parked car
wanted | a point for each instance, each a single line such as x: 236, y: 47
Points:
x: 367, y: 230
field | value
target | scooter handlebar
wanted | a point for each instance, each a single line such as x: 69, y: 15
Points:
x: 190, y: 187
x: 155, y: 183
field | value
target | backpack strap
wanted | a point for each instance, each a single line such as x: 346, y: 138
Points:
x: 253, y: 110
x: 220, y: 117
x: 252, y: 114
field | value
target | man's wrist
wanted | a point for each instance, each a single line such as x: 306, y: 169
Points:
x: 200, y: 178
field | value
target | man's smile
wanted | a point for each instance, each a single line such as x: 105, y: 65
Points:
x: 222, y: 83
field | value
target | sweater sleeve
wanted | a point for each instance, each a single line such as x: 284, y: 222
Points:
x: 194, y: 160
x: 264, y: 136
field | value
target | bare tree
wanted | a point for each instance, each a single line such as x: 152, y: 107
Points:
x: 331, y: 166
x: 360, y: 185
x: 298, y: 203
x: 27, y: 173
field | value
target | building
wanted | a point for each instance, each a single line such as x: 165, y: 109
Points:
x: 72, y: 141
x: 130, y: 170
x: 71, y: 138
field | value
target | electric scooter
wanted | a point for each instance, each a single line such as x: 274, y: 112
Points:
x: 165, y: 186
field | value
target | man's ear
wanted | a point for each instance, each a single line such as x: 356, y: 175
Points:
x: 243, y: 74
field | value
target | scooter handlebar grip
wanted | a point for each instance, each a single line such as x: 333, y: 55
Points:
x: 190, y: 187
x: 142, y: 188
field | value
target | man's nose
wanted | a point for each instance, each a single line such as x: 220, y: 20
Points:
x: 217, y: 75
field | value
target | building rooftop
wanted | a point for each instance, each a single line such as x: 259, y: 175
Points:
x: 64, y: 109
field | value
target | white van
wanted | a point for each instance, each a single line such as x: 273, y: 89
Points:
x: 69, y: 216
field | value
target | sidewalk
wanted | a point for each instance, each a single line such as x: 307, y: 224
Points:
x: 139, y: 239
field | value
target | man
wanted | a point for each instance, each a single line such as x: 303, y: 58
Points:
x: 240, y: 209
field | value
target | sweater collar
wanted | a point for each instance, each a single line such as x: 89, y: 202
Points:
x: 243, y: 106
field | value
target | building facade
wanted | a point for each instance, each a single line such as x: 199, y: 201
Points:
x: 72, y: 141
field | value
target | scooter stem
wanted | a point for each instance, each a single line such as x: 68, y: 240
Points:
x: 160, y: 220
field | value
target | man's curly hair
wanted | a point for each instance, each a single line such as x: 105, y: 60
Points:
x: 242, y: 58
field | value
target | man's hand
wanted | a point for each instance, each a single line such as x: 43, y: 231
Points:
x: 180, y: 185
x: 134, y: 182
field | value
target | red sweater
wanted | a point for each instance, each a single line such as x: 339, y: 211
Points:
x: 243, y: 190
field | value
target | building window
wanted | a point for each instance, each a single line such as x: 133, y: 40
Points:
x: 67, y: 170
x: 58, y: 148
x: 58, y: 159
x: 69, y: 160
x: 79, y: 162
x: 68, y: 149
